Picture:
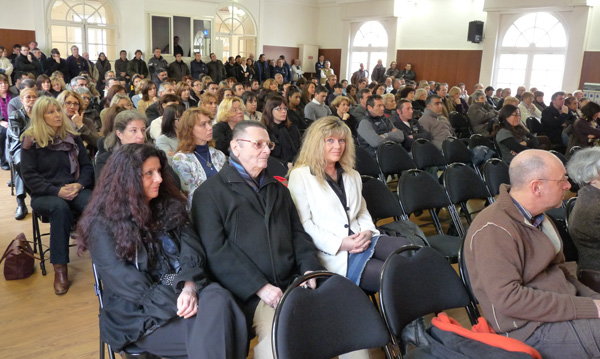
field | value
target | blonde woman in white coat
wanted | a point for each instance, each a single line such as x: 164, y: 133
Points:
x: 327, y: 193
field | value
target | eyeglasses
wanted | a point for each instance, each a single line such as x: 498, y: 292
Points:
x: 280, y: 109
x: 74, y: 104
x: 260, y: 144
x: 562, y: 180
x: 516, y: 114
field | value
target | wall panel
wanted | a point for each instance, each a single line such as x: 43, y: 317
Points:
x: 590, y: 71
x: 273, y: 52
x: 9, y: 37
x: 335, y: 57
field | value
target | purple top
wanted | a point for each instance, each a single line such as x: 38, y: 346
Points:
x: 4, y: 106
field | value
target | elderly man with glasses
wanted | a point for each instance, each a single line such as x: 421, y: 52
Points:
x: 255, y: 243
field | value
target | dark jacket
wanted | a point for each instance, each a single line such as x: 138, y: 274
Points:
x: 552, y: 122
x: 378, y: 74
x: 287, y: 142
x: 584, y: 227
x: 134, y: 304
x: 414, y: 129
x: 408, y: 75
x: 102, y: 69
x: 152, y: 113
x: 374, y: 130
x: 45, y: 171
x: 51, y: 65
x: 216, y: 71
x: 351, y: 122
x: 222, y: 134
x: 23, y: 65
x: 156, y: 66
x: 18, y: 121
x: 198, y: 69
x: 76, y: 65
x: 123, y: 66
x: 240, y: 74
x: 178, y: 69
x: 251, y: 238
x: 229, y: 69
x: 136, y: 66
x: 261, y: 69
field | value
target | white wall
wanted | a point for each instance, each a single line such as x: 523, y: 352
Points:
x: 287, y: 23
x: 17, y: 14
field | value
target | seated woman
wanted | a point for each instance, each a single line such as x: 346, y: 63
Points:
x: 584, y: 168
x: 72, y: 104
x: 223, y: 93
x: 167, y: 141
x: 44, y: 85
x: 183, y: 90
x: 586, y: 131
x: 148, y: 91
x: 327, y: 193
x: 295, y: 113
x: 282, y: 132
x: 460, y: 105
x: 58, y: 171
x: 230, y: 112
x: 208, y: 100
x: 341, y: 105
x: 538, y: 100
x: 89, y: 111
x: 527, y: 108
x: 418, y: 102
x: 250, y: 105
x: 269, y: 88
x: 157, y: 295
x: 407, y: 93
x: 129, y: 127
x: 196, y: 158
x: 58, y: 86
x: 196, y: 90
x: 512, y: 137
x: 308, y: 93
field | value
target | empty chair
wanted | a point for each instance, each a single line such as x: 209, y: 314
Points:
x: 461, y: 124
x: 365, y: 164
x: 535, y: 126
x: 382, y: 203
x: 417, y: 281
x: 419, y: 191
x: 462, y: 184
x: 393, y: 159
x: 479, y: 140
x: 455, y: 150
x: 495, y: 173
x: 335, y: 318
x: 426, y: 155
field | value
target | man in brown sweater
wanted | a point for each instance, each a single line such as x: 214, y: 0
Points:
x: 515, y: 261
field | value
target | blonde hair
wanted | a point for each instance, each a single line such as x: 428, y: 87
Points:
x: 337, y: 101
x: 420, y: 92
x: 526, y: 95
x: 453, y: 91
x: 62, y: 98
x: 39, y: 129
x: 267, y: 84
x: 510, y: 100
x: 224, y: 110
x: 118, y: 97
x: 313, y: 147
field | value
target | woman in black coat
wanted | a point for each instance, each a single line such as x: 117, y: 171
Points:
x: 282, y: 131
x: 157, y: 293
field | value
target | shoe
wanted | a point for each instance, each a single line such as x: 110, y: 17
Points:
x: 61, y: 279
x: 5, y: 167
x: 9, y: 183
x: 22, y: 211
x: 414, y: 333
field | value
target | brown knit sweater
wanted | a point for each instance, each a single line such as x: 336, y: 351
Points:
x: 516, y: 272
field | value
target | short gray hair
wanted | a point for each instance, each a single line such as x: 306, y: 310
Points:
x: 240, y: 128
x: 74, y: 80
x: 526, y: 169
x: 584, y: 166
x: 478, y: 94
x: 83, y: 90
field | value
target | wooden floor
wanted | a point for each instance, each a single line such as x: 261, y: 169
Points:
x: 36, y: 323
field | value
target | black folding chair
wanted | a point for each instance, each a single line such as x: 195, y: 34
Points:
x: 393, y: 159
x: 455, y: 150
x: 335, y: 318
x: 462, y: 184
x: 574, y: 185
x: 535, y: 126
x: 426, y: 155
x: 480, y: 140
x: 495, y: 173
x: 366, y: 165
x: 276, y: 168
x: 417, y: 281
x: 472, y: 309
x: 568, y: 209
x: 461, y: 124
x: 559, y: 217
x: 420, y: 191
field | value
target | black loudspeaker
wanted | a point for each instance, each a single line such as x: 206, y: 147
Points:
x: 475, y: 31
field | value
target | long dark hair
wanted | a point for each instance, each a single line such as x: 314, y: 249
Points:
x: 518, y: 131
x: 170, y: 115
x: 589, y: 110
x: 267, y: 115
x: 119, y: 205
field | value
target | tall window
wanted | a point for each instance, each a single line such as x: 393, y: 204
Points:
x: 532, y: 53
x: 369, y: 45
x: 235, y: 30
x: 89, y: 24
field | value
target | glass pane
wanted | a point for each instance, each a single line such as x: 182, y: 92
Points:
x: 238, y: 28
x: 182, y: 29
x: 161, y: 33
x: 202, y: 37
x: 541, y: 29
x: 558, y: 36
x: 246, y: 46
x: 544, y: 41
x: 547, y: 72
x: 510, y: 38
x: 59, y: 10
x: 59, y: 33
x: 74, y: 35
x: 513, y: 61
x: 371, y: 33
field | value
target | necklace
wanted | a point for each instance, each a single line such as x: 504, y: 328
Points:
x: 208, y: 164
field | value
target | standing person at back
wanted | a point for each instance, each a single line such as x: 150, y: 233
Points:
x: 156, y: 65
x: 378, y: 73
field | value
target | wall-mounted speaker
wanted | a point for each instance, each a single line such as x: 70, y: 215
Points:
x: 475, y: 31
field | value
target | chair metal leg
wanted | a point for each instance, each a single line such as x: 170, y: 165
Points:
x: 12, y: 180
x: 37, y: 241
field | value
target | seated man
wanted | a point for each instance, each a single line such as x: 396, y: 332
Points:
x: 254, y: 240
x: 554, y: 120
x: 317, y: 108
x: 360, y: 111
x: 375, y: 129
x: 409, y: 125
x: 481, y: 114
x: 515, y: 260
x: 434, y: 122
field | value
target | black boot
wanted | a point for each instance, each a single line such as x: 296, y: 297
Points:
x: 414, y: 333
x: 21, y: 209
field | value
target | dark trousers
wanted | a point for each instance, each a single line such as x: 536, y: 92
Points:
x: 573, y: 339
x: 61, y: 214
x: 372, y: 273
x: 3, y: 157
x: 218, y: 330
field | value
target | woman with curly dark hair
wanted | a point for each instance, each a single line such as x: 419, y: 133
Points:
x: 157, y: 293
x: 282, y: 131
x: 512, y: 137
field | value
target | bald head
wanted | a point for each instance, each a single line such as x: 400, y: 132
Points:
x: 530, y: 165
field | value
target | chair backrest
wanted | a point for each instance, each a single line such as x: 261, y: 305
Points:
x: 534, y: 125
x: 462, y: 184
x: 472, y: 310
x: 456, y: 151
x: 495, y: 173
x: 425, y: 154
x: 276, y: 168
x: 574, y: 150
x: 416, y: 281
x: 419, y: 191
x: 98, y: 290
x: 393, y: 158
x: 460, y: 123
x: 560, y: 156
x: 381, y: 202
x: 479, y: 140
x: 568, y: 209
x: 335, y: 318
x: 365, y: 164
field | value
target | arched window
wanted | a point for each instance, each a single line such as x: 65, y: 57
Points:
x: 235, y: 29
x: 369, y: 45
x: 89, y: 24
x: 532, y: 53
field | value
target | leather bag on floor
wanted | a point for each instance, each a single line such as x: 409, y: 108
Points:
x: 19, y: 259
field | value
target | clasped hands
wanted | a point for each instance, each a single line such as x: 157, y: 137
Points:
x: 69, y: 191
x: 357, y: 243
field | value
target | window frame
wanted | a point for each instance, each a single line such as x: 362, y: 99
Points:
x: 367, y: 49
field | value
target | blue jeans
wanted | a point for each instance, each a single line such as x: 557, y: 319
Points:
x: 61, y: 213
